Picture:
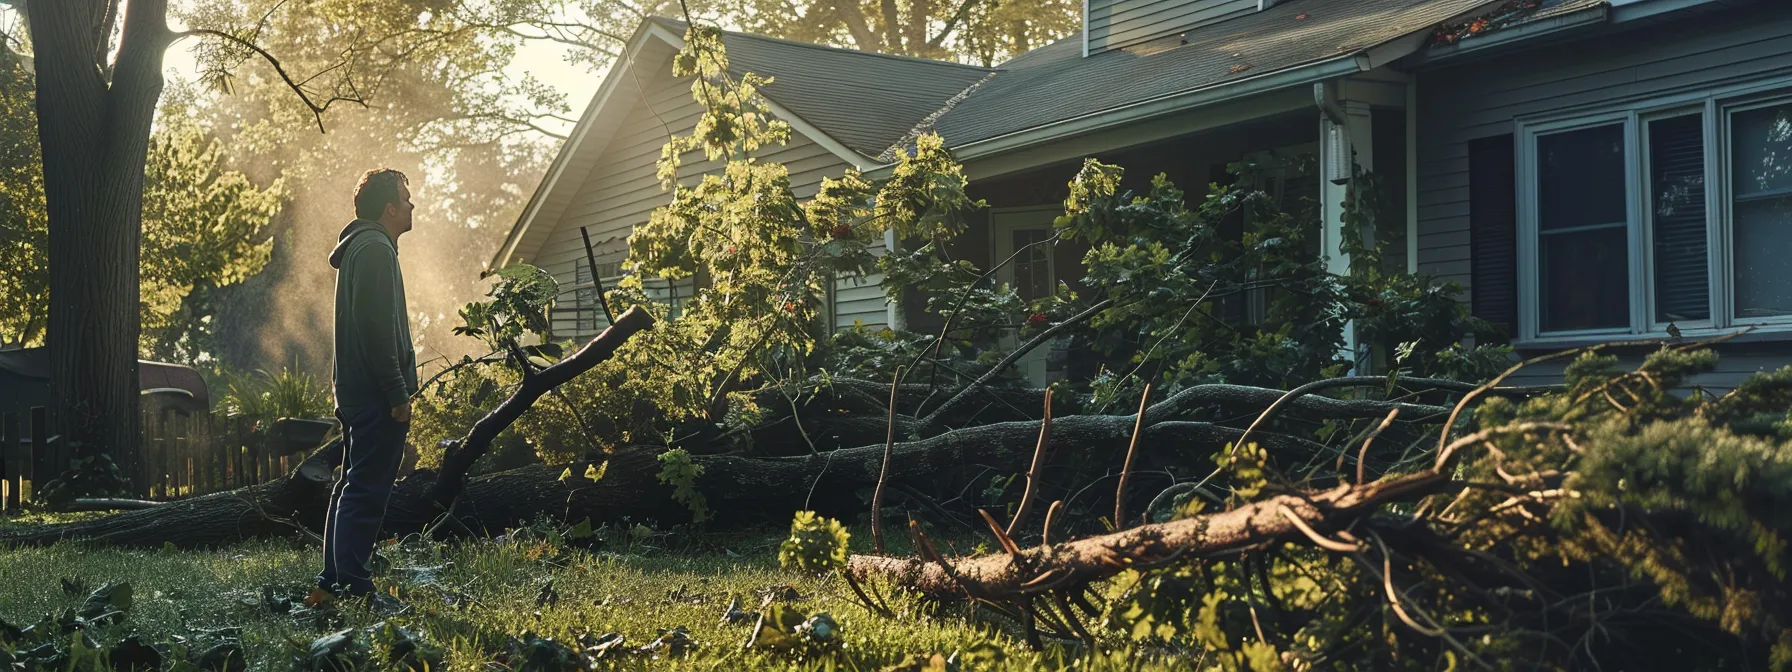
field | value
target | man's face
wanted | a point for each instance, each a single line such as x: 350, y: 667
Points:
x: 398, y: 215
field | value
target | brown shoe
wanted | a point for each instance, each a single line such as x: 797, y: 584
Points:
x: 318, y: 598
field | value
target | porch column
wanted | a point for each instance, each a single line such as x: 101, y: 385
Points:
x: 1346, y: 140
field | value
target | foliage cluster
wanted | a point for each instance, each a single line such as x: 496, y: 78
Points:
x: 815, y: 544
x: 255, y: 399
x: 204, y: 227
x: 1613, y: 523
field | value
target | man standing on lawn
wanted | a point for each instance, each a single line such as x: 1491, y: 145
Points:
x: 376, y: 374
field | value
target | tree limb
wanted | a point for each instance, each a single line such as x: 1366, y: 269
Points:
x: 1040, y: 339
x: 964, y: 9
x: 461, y: 455
x: 858, y: 26
x: 317, y: 109
x: 1083, y: 561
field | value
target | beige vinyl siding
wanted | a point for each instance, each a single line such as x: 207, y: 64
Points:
x: 623, y: 190
x: 1112, y: 24
x: 860, y: 300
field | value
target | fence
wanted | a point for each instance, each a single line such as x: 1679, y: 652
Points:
x: 23, y: 441
x: 178, y: 456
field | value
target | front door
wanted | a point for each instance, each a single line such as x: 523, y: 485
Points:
x: 1031, y: 273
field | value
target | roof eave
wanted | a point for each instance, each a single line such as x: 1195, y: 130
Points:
x: 648, y: 30
x: 1550, y: 27
x: 853, y: 158
x: 574, y: 141
x: 1361, y: 59
x: 1337, y: 66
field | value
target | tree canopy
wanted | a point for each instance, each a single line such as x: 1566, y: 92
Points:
x: 204, y: 227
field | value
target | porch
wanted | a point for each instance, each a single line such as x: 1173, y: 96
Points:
x: 1301, y: 145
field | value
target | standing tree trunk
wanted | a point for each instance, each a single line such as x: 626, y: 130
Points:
x: 95, y: 138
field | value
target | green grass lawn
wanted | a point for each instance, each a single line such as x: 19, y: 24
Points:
x: 470, y: 600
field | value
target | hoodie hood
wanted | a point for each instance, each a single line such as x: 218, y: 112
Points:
x: 348, y: 233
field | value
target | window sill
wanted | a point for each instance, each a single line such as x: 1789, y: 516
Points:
x: 1761, y: 334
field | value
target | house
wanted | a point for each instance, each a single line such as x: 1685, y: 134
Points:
x: 1592, y: 170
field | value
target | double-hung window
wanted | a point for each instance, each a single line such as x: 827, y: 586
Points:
x: 1672, y: 213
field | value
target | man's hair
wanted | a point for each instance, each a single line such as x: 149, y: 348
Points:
x: 378, y: 187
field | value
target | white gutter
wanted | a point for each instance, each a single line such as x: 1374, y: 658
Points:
x: 1631, y: 10
x: 1594, y: 15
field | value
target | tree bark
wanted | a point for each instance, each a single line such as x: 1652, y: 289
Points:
x: 95, y: 139
x: 1003, y: 576
x: 737, y: 489
x: 892, y: 26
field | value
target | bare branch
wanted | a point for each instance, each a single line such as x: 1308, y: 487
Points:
x: 1045, y: 437
x: 883, y: 474
x: 1001, y: 366
x: 317, y: 108
x: 964, y: 9
x: 1126, y: 467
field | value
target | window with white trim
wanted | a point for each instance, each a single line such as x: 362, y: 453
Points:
x: 1672, y: 214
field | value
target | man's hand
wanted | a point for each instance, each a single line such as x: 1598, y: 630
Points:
x: 402, y: 412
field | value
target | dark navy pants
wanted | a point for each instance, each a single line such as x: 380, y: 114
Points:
x: 373, y: 447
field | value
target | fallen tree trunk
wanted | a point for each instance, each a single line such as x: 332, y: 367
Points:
x: 1005, y: 576
x: 737, y: 488
x: 845, y: 414
x: 107, y: 504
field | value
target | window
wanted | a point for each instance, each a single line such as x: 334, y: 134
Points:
x: 1021, y: 233
x: 1583, y: 227
x: 1678, y: 213
x: 1761, y: 210
x: 1033, y: 266
x: 1289, y: 176
x: 585, y: 298
x: 584, y: 316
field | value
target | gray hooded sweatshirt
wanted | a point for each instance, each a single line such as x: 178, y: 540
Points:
x: 375, y: 363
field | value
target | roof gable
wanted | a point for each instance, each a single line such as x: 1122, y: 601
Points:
x: 812, y: 83
x: 867, y: 101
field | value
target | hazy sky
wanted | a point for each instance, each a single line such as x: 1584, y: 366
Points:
x: 542, y: 58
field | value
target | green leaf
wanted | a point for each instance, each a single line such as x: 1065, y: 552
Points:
x: 581, y: 530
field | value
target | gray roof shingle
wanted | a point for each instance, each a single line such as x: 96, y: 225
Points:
x: 866, y: 100
x: 1061, y: 84
x: 870, y: 102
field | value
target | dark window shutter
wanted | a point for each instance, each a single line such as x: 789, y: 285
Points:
x: 1493, y: 230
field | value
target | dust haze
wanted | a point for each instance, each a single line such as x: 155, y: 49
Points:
x: 465, y: 203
